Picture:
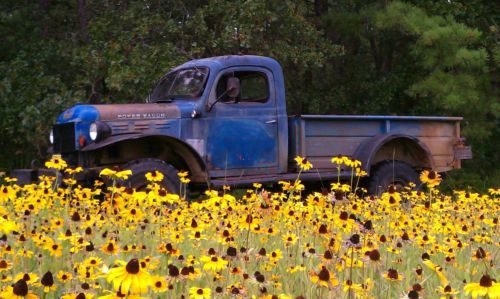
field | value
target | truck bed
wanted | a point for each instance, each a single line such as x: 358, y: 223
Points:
x: 320, y: 137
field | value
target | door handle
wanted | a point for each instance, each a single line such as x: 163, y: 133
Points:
x: 271, y: 121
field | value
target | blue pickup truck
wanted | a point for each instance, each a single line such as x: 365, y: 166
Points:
x: 224, y: 120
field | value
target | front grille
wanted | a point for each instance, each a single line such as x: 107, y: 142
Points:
x: 64, y: 138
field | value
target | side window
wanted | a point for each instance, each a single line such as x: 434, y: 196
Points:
x: 254, y: 87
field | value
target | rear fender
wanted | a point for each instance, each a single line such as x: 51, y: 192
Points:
x: 399, y: 147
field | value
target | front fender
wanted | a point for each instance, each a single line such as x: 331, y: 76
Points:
x: 115, y: 139
x: 191, y: 157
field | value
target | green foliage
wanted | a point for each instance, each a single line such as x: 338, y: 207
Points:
x: 343, y: 57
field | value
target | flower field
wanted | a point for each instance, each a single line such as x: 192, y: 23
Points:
x: 112, y: 242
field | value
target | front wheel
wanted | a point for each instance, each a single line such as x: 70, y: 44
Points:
x: 395, y: 173
x: 139, y: 169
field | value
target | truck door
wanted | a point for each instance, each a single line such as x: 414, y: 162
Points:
x: 243, y: 131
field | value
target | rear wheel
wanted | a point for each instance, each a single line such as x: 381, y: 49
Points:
x: 396, y: 173
x: 139, y: 169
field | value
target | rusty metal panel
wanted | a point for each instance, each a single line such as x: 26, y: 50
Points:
x: 332, y: 146
x: 343, y: 127
x: 439, y: 145
x: 443, y: 162
x: 424, y: 129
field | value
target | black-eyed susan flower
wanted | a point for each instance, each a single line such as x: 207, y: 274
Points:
x: 5, y: 265
x: 29, y: 277
x: 129, y: 277
x: 356, y: 288
x: 116, y: 175
x: 289, y: 239
x: 18, y: 291
x: 47, y: 282
x: 56, y: 162
x: 81, y: 295
x: 110, y: 248
x: 323, y: 278
x: 485, y: 287
x: 159, y: 284
x: 64, y: 276
x: 481, y: 254
x: 213, y: 263
x: 447, y: 291
x: 200, y: 293
x: 431, y: 178
x: 303, y: 163
x: 154, y: 176
x: 392, y: 275
x: 183, y: 177
x: 275, y: 255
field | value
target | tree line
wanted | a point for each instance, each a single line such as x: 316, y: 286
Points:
x: 339, y: 57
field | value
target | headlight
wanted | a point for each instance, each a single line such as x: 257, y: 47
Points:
x: 51, y: 136
x: 93, y: 131
x: 99, y: 131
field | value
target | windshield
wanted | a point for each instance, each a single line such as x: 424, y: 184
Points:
x: 185, y: 83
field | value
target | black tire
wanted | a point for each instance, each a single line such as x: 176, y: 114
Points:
x: 388, y: 173
x: 139, y: 169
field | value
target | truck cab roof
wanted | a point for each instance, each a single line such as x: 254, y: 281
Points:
x: 222, y: 62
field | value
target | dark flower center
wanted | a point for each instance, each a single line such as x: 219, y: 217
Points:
x: 322, y: 229
x: 20, y: 288
x: 432, y: 175
x: 324, y: 275
x: 214, y: 259
x: 354, y: 239
x: 392, y: 189
x: 158, y: 284
x: 231, y: 251
x: 486, y: 281
x: 392, y: 274
x: 133, y: 266
x: 374, y: 255
x: 480, y: 253
x: 447, y: 289
x: 80, y: 296
x: 47, y: 279
x: 413, y: 294
x: 173, y: 271
x: 110, y: 247
x: 3, y: 264
x: 76, y: 217
x: 133, y: 212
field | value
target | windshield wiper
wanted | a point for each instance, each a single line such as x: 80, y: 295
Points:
x: 167, y: 99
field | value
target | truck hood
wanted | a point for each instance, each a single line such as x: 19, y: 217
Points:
x: 114, y: 112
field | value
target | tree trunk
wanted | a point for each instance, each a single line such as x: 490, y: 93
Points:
x: 83, y: 18
x: 44, y: 5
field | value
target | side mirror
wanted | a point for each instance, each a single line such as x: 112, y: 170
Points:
x: 232, y: 87
x: 232, y: 91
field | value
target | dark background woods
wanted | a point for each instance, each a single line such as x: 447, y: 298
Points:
x: 340, y: 57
